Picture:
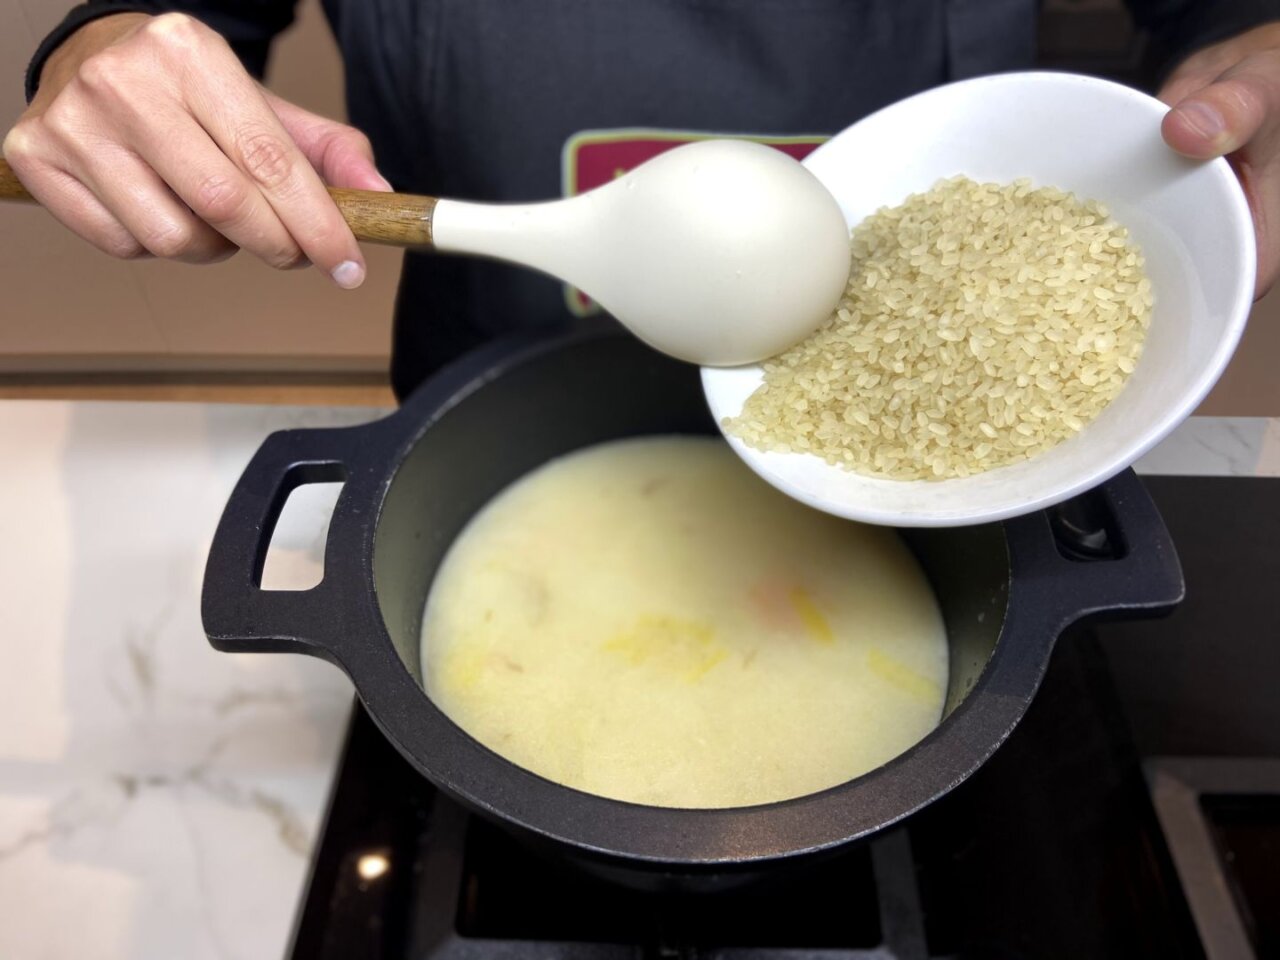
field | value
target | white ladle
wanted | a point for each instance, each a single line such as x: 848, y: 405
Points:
x: 719, y: 252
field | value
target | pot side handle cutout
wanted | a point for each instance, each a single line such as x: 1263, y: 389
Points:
x: 295, y: 556
x: 1085, y: 529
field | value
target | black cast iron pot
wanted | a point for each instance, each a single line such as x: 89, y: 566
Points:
x: 414, y: 479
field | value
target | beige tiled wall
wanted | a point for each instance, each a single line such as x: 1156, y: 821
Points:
x: 1251, y: 386
x: 67, y: 307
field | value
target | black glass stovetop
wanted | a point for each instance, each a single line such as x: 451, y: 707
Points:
x: 1073, y: 841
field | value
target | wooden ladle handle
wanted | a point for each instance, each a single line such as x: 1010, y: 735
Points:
x: 397, y: 219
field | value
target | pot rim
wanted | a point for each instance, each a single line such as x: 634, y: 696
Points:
x: 341, y: 620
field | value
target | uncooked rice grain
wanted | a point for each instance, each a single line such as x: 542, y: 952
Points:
x: 982, y: 324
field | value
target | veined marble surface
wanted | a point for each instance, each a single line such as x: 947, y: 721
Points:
x: 1218, y: 447
x: 159, y: 799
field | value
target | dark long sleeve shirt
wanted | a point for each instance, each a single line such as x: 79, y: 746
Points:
x: 1181, y: 26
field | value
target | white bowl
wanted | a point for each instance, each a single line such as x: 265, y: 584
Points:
x: 1101, y: 141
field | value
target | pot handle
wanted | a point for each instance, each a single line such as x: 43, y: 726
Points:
x: 238, y: 615
x: 1105, y: 553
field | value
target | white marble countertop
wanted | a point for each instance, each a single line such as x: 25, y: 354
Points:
x: 159, y: 799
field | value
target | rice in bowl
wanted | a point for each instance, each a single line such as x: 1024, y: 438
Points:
x: 982, y: 324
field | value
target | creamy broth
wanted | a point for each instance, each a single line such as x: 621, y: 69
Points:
x: 648, y: 620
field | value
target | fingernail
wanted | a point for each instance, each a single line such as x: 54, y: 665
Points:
x: 348, y: 274
x: 1204, y: 120
x: 385, y: 183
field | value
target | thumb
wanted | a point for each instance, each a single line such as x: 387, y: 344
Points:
x: 341, y: 154
x: 1220, y: 118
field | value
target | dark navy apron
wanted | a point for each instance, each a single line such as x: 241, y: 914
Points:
x: 521, y: 100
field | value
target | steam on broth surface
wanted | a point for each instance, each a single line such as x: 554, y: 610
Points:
x: 647, y: 620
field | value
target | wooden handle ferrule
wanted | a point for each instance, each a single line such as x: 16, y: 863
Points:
x: 397, y: 219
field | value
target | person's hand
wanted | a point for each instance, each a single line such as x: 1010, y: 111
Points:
x: 147, y: 137
x: 1226, y: 101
